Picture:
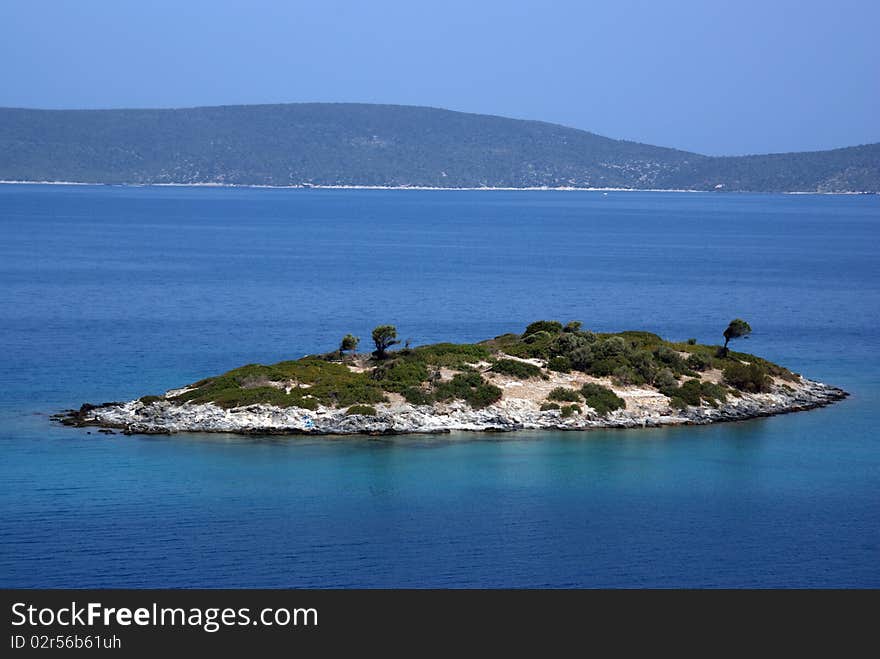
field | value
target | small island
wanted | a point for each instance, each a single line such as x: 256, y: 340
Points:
x: 549, y: 377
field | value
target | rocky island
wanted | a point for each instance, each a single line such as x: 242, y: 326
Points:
x: 551, y: 376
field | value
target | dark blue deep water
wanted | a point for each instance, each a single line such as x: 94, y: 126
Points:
x: 111, y: 293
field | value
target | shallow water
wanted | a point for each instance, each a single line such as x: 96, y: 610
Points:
x: 110, y: 293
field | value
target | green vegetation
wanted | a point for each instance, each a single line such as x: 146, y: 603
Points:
x: 602, y: 399
x: 549, y: 326
x: 569, y: 410
x: 751, y: 378
x: 362, y: 410
x: 359, y: 144
x: 470, y: 387
x: 148, y: 400
x: 312, y: 381
x: 384, y: 336
x: 415, y: 374
x: 563, y: 394
x: 560, y: 364
x: 713, y: 393
x: 665, y: 379
x: 630, y: 358
x: 737, y: 329
x: 349, y: 343
x: 400, y: 374
x: 451, y: 355
x: 697, y: 361
x: 695, y: 392
x: 516, y: 368
x: 446, y: 372
x: 416, y: 396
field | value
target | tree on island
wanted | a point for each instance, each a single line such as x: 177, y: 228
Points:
x: 349, y: 343
x: 384, y: 336
x: 737, y: 329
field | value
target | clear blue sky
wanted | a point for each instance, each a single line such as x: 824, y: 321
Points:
x: 710, y: 76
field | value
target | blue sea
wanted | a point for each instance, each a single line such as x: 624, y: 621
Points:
x: 109, y: 293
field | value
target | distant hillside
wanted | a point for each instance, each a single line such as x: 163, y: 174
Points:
x: 384, y: 145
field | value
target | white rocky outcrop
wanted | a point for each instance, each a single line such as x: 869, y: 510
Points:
x: 511, y: 413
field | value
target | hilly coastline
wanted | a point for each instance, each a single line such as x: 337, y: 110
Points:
x: 346, y: 144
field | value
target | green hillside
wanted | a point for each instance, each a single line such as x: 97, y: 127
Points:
x: 383, y: 145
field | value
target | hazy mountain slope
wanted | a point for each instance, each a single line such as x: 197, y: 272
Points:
x: 855, y: 168
x: 356, y: 144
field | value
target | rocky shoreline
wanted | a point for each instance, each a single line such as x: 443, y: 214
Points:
x: 509, y: 414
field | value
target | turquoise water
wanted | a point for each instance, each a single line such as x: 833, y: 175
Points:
x: 110, y: 293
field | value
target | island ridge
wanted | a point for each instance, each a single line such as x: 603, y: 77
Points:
x: 551, y: 376
x: 386, y: 146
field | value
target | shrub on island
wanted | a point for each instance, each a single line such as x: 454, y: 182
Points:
x: 549, y: 326
x: 349, y: 343
x: 243, y: 397
x: 694, y: 393
x: 713, y: 393
x: 665, y: 379
x: 568, y: 342
x: 697, y: 361
x: 563, y: 394
x: 361, y: 410
x: 569, y: 410
x: 541, y: 337
x: 470, y: 387
x: 484, y: 395
x: 559, y: 364
x: 317, y: 381
x: 415, y: 396
x: 751, y: 378
x: 670, y: 357
x: 632, y: 358
x: 384, y: 336
x: 400, y: 374
x: 516, y: 368
x: 451, y: 355
x: 602, y: 399
x: 626, y: 375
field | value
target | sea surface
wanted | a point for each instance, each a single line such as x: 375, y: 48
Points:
x: 109, y: 293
